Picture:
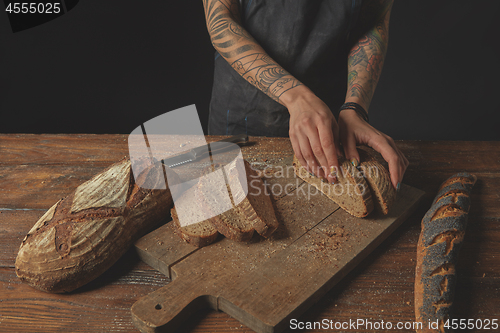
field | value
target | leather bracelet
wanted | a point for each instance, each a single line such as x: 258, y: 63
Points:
x: 356, y: 107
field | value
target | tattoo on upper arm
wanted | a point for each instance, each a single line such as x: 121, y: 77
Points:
x: 223, y: 19
x: 233, y: 43
x: 239, y: 31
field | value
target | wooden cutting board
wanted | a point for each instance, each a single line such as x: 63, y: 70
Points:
x: 267, y: 282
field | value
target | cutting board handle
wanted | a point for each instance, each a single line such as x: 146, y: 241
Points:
x: 170, y: 306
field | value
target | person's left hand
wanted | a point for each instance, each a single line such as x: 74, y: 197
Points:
x: 354, y: 130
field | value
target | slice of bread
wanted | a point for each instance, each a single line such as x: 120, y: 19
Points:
x: 257, y: 205
x: 379, y: 180
x: 351, y: 192
x: 250, y: 212
x: 233, y: 225
x: 196, y: 233
x: 213, y: 194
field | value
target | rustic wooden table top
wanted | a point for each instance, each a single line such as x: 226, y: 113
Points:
x: 37, y: 170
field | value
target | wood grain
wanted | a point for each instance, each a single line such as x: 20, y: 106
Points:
x: 379, y: 288
x: 266, y: 283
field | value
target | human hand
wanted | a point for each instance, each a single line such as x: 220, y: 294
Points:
x: 314, y: 134
x: 354, y: 130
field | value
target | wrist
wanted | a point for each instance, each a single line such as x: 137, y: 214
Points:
x: 357, y: 108
x: 347, y: 113
x: 359, y: 101
x: 296, y: 95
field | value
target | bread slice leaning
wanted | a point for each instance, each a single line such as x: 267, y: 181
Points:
x: 257, y: 205
x: 195, y: 229
x: 251, y: 212
x: 351, y: 192
x: 379, y: 180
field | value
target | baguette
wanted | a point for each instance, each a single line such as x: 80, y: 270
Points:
x: 443, y: 229
x: 85, y: 233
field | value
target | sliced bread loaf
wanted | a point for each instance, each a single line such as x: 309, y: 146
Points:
x: 253, y: 211
x: 231, y: 223
x: 371, y: 179
x: 351, y: 192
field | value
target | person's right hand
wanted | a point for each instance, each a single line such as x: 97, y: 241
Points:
x: 314, y: 133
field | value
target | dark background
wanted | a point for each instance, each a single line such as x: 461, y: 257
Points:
x: 108, y: 66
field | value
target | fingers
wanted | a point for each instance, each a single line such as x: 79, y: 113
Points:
x: 316, y: 149
x: 395, y: 158
x: 349, y: 143
x: 304, y: 154
x: 297, y: 151
x: 314, y: 135
x: 328, y: 149
x: 401, y: 164
x: 307, y: 149
x: 354, y: 130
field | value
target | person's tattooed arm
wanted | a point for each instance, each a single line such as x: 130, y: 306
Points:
x: 313, y: 128
x: 242, y: 52
x: 365, y: 62
x: 366, y: 57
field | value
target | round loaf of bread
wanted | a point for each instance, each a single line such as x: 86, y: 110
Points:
x: 85, y: 233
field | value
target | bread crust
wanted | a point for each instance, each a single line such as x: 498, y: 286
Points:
x: 379, y: 182
x: 69, y: 247
x: 195, y: 229
x: 443, y: 230
x: 263, y: 218
x: 375, y: 171
x: 198, y: 240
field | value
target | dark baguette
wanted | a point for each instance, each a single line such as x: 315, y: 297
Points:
x: 85, y: 233
x: 443, y: 230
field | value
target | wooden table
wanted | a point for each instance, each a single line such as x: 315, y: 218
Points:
x: 37, y: 170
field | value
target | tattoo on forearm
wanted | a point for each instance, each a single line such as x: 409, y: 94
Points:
x: 234, y: 44
x: 366, y: 58
x: 261, y: 71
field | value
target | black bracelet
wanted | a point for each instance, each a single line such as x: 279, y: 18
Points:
x: 356, y: 107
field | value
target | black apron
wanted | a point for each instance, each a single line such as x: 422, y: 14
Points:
x: 309, y: 39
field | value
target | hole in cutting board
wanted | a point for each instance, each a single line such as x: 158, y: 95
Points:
x: 158, y: 306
